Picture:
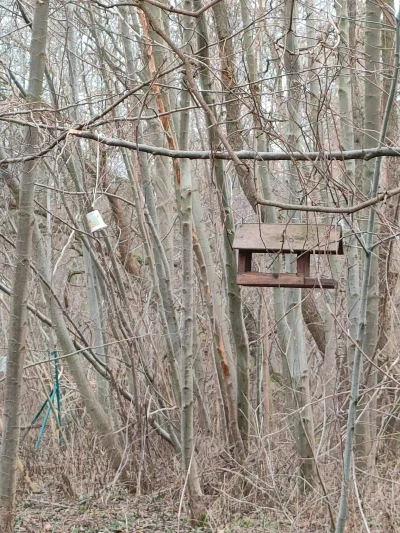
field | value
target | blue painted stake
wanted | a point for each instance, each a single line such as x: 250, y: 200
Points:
x: 45, y: 419
x: 54, y: 393
x: 58, y: 395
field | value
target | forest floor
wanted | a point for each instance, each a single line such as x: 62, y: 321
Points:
x: 124, y: 514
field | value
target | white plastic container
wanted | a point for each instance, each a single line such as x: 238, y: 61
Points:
x: 95, y: 221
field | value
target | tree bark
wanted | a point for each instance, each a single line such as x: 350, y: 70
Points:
x: 352, y: 255
x: 187, y: 409
x: 367, y: 425
x: 18, y: 325
x: 296, y: 355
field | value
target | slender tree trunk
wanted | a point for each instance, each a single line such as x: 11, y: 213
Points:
x: 366, y: 427
x: 296, y: 349
x: 188, y: 304
x: 323, y: 330
x: 387, y: 260
x: 96, y: 319
x: 163, y: 181
x: 18, y: 325
x: 199, y: 382
x: 187, y: 424
x: 220, y: 356
x: 234, y: 297
x: 350, y: 224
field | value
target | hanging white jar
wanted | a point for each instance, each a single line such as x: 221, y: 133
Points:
x: 95, y: 221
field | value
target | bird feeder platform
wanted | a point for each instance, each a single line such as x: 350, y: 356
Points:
x: 303, y: 240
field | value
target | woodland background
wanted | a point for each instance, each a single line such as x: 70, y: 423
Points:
x: 183, y: 395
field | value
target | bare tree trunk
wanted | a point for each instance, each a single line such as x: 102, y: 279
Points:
x: 268, y: 406
x: 323, y: 330
x: 187, y: 424
x: 221, y: 342
x: 220, y: 356
x: 369, y: 251
x: 349, y: 223
x: 387, y: 257
x: 18, y: 326
x: 199, y: 381
x: 367, y: 424
x: 296, y: 349
x: 95, y: 317
x: 188, y: 304
x: 234, y: 297
x: 162, y: 131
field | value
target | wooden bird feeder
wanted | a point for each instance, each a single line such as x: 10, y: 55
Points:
x: 301, y: 239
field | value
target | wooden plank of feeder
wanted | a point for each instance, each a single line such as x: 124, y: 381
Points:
x: 296, y: 281
x: 289, y: 238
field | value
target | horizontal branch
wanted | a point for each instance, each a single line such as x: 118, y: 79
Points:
x: 381, y: 197
x: 171, y: 9
x: 266, y: 156
x: 337, y: 155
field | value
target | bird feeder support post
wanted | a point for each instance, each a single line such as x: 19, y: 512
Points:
x: 244, y: 261
x: 303, y: 264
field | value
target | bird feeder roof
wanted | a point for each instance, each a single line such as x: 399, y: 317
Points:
x: 289, y: 238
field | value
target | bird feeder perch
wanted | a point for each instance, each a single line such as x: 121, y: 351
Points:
x: 303, y: 240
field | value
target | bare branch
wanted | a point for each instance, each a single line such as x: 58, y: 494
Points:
x: 195, y: 14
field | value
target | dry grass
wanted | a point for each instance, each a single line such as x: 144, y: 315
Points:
x: 77, y: 491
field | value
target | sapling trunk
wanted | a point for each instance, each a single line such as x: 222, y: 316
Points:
x: 18, y: 316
